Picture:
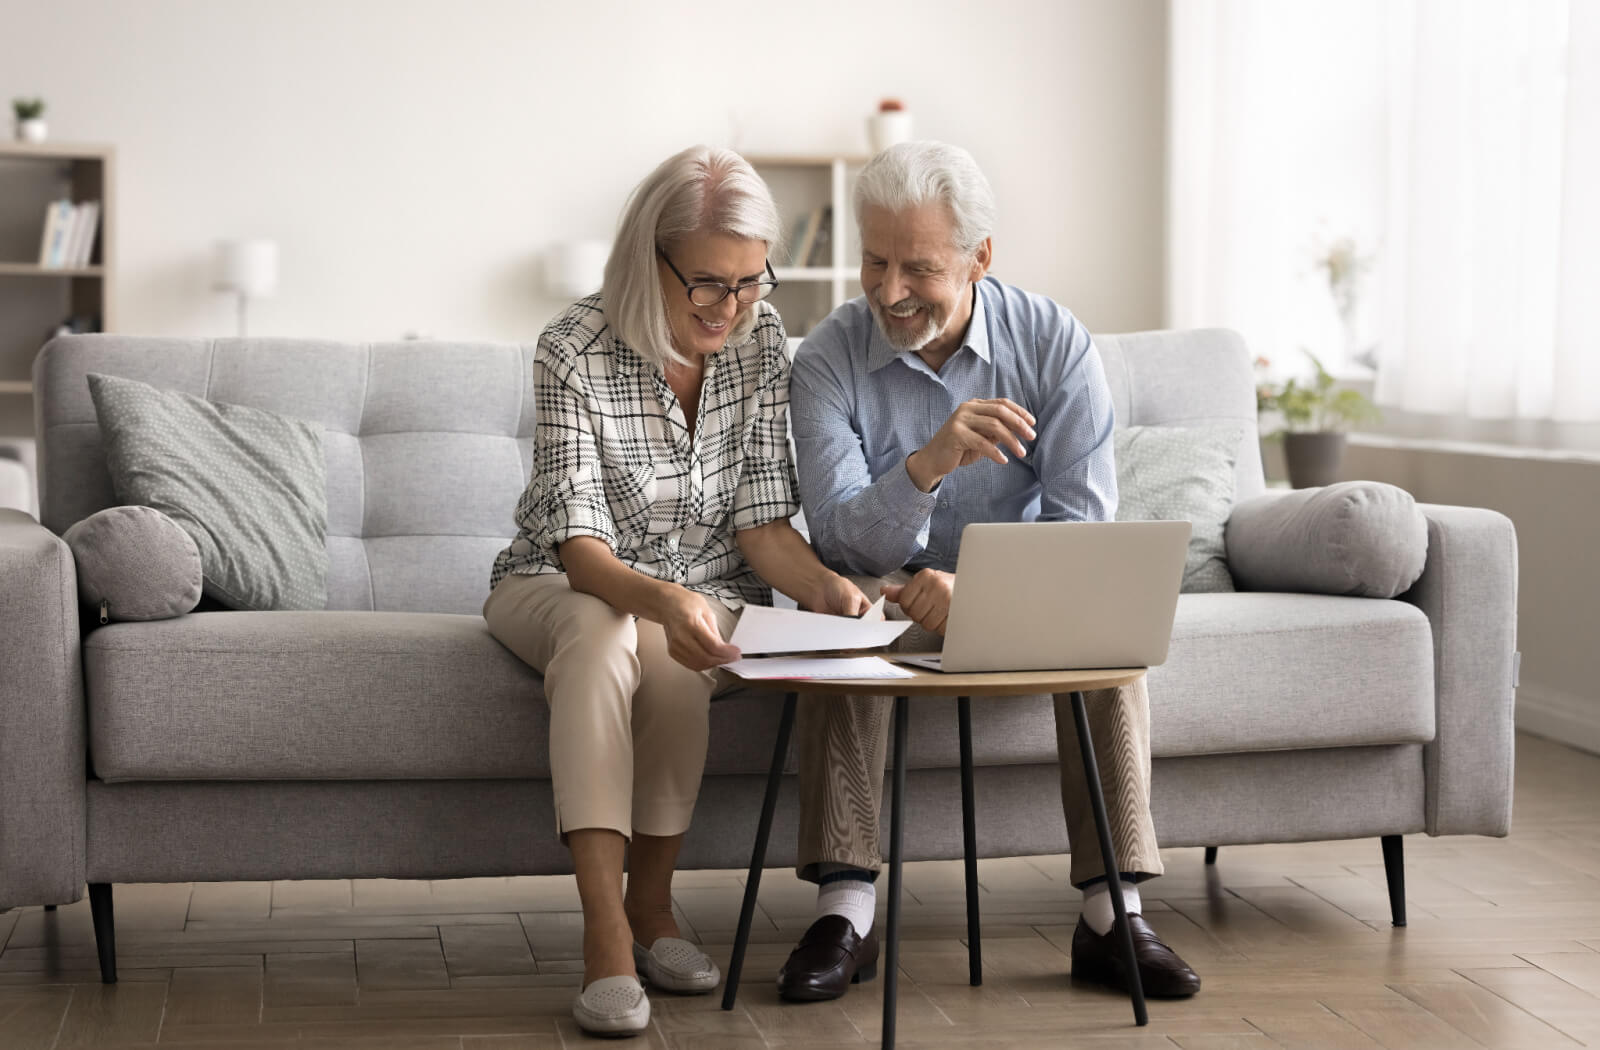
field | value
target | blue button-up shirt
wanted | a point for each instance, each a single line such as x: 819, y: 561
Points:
x: 860, y: 407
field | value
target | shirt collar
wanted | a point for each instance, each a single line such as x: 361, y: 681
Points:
x: 626, y: 361
x: 880, y: 352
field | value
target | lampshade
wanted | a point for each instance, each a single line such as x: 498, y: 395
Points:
x: 247, y: 267
x: 574, y: 268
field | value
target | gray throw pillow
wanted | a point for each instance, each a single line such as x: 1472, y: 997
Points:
x: 249, y: 486
x: 1182, y: 474
x: 1362, y: 538
x: 135, y: 563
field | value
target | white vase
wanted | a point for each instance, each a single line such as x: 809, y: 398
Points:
x: 886, y: 128
x: 33, y: 130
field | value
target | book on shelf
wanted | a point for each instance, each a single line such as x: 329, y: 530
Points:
x: 797, y: 237
x: 821, y: 253
x: 807, y: 236
x: 69, y: 234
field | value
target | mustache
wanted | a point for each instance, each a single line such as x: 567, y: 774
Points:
x: 909, y: 301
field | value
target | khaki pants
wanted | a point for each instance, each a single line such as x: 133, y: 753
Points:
x: 843, y: 742
x: 628, y: 723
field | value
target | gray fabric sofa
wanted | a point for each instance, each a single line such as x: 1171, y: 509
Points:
x: 392, y: 736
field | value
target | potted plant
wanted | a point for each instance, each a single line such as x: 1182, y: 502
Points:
x: 890, y: 125
x: 30, y: 119
x: 1314, y: 416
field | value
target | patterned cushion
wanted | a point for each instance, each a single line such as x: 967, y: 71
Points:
x: 1182, y: 474
x: 248, y: 485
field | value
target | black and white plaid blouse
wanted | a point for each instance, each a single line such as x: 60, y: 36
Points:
x: 613, y: 459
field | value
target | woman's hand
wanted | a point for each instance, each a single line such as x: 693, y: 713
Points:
x: 693, y: 638
x: 839, y: 596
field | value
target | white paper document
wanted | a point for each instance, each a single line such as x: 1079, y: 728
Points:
x: 817, y: 667
x: 762, y: 629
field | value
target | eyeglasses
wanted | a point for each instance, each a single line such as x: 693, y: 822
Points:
x: 710, y: 293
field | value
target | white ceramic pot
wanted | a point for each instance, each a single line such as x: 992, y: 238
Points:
x: 33, y: 130
x: 887, y: 128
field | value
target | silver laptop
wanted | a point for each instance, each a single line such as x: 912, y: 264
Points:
x: 1044, y: 596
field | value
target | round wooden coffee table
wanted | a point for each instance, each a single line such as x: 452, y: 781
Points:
x: 962, y: 686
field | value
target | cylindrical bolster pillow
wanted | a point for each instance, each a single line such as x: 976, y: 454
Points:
x: 138, y: 561
x: 1362, y: 538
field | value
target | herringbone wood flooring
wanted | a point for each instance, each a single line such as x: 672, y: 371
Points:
x: 1293, y: 942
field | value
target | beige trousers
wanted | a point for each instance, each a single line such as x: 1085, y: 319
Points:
x: 628, y: 723
x: 843, y: 742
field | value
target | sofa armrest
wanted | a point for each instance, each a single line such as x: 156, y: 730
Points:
x: 43, y: 790
x: 1468, y: 589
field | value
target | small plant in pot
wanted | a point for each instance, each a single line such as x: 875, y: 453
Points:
x: 30, y: 119
x: 1315, y: 415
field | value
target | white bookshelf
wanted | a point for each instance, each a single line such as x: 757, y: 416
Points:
x: 800, y: 183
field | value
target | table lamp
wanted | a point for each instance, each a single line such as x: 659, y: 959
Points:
x: 248, y: 268
x: 575, y: 268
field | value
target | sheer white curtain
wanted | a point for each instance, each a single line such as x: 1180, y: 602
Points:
x: 1456, y: 142
x: 1275, y: 151
x: 1493, y: 214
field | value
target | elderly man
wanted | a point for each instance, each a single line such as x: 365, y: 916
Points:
x: 943, y: 397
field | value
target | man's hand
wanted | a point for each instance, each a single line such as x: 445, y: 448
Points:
x: 984, y: 428
x: 693, y: 638
x: 839, y: 596
x: 926, y: 599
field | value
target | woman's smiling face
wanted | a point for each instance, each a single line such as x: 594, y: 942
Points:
x: 701, y: 330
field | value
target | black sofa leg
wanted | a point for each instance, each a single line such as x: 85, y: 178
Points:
x: 1211, y: 854
x: 105, y: 938
x: 1394, y: 869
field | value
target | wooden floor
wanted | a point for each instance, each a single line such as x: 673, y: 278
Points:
x: 1293, y: 942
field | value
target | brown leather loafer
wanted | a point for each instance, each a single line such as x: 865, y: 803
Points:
x: 1098, y: 958
x: 828, y: 960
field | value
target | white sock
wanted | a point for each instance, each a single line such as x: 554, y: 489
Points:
x: 1097, y: 910
x: 855, y: 899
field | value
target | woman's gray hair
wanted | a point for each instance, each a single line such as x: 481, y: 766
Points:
x: 914, y: 173
x: 701, y: 190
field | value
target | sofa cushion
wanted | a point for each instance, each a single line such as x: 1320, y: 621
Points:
x: 359, y: 696
x: 335, y: 696
x: 1264, y: 672
x: 135, y: 563
x: 1182, y: 474
x: 1361, y: 538
x: 248, y: 485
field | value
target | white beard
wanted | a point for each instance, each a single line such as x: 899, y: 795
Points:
x: 903, y: 339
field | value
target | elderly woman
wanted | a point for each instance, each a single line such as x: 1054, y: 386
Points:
x: 659, y: 506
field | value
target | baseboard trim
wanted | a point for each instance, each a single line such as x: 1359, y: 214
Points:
x: 1560, y: 716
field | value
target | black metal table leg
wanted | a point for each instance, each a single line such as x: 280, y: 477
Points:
x: 758, y: 855
x: 891, y: 947
x: 969, y: 842
x: 1102, y: 825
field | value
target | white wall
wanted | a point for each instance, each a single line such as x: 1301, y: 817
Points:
x: 413, y: 159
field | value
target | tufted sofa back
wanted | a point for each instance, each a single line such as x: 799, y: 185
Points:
x: 428, y: 447
x: 430, y: 444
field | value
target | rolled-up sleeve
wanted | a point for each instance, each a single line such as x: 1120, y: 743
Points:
x: 767, y: 490
x: 857, y: 524
x: 569, y: 497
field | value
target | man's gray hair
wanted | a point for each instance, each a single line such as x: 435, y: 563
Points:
x: 914, y: 173
x: 701, y: 190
